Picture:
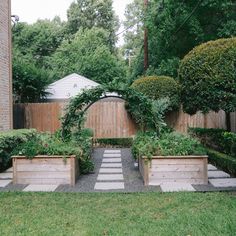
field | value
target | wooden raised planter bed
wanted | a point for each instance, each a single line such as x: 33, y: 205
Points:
x: 163, y: 169
x: 45, y: 170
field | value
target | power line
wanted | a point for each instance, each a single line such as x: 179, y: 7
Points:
x: 188, y: 17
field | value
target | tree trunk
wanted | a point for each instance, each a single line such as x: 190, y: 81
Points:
x: 228, y: 121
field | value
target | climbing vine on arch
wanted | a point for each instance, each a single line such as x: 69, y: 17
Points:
x: 138, y: 105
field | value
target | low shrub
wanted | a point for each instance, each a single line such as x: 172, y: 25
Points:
x: 159, y: 87
x: 11, y: 139
x: 222, y: 161
x: 217, y: 139
x: 114, y: 142
x: 168, y: 144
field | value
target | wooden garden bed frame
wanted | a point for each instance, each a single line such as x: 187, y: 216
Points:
x: 163, y: 169
x: 45, y: 170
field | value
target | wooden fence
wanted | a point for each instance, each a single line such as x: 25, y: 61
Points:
x: 109, y: 119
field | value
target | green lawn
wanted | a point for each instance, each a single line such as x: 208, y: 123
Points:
x: 117, y: 214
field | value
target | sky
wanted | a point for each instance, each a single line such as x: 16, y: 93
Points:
x: 31, y: 10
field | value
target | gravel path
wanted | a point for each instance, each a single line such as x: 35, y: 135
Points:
x: 132, y: 178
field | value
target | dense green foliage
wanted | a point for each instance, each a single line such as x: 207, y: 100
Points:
x: 88, y: 54
x: 174, y: 28
x: 157, y: 87
x: 139, y: 214
x: 114, y: 142
x: 145, y: 112
x: 29, y: 81
x: 168, y: 144
x: 38, y: 41
x: 217, y: 139
x: 86, y: 14
x: 208, y: 77
x: 11, y: 139
x: 222, y: 161
x: 50, y: 145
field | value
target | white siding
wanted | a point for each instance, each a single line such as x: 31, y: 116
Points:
x: 69, y: 87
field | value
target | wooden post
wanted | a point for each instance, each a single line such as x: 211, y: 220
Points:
x: 145, y: 40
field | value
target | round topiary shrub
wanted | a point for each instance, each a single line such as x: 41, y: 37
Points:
x: 208, y: 77
x: 158, y: 87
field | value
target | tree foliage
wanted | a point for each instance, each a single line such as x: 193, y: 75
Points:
x: 86, y: 14
x: 87, y: 54
x: 38, y: 41
x: 208, y: 77
x: 29, y: 82
x: 177, y: 26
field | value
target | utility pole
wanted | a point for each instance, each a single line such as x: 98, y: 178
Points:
x: 145, y: 39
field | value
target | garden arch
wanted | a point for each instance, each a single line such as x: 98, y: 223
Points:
x: 138, y: 105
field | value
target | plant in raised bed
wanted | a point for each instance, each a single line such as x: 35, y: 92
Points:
x: 172, y: 157
x: 48, y: 160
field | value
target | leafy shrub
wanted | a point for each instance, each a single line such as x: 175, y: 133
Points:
x: 158, y: 87
x: 217, y: 139
x: 168, y: 144
x: 45, y: 144
x: 9, y: 140
x: 208, y: 77
x: 223, y: 161
x: 168, y: 67
x: 144, y: 144
x: 117, y: 142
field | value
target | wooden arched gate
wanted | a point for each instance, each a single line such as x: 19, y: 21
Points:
x: 108, y: 118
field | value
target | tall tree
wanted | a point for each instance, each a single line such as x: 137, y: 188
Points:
x: 86, y: 14
x: 88, y: 54
x: 178, y: 26
x: 38, y: 41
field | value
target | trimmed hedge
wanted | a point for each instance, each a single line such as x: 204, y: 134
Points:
x: 208, y: 77
x: 223, y: 161
x: 10, y: 140
x: 115, y: 142
x: 157, y: 87
x: 217, y: 139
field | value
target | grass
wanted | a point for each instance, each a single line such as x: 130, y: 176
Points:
x: 117, y: 214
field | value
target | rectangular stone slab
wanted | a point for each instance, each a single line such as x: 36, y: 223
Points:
x: 111, y: 165
x: 111, y: 155
x: 223, y: 183
x: 211, y: 167
x: 112, y: 151
x: 40, y: 188
x: 6, y: 175
x: 116, y: 160
x: 108, y: 177
x: 109, y: 186
x: 4, y: 183
x: 110, y: 170
x: 176, y: 187
x: 217, y: 174
x: 9, y: 170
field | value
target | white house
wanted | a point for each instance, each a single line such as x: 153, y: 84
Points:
x: 68, y: 87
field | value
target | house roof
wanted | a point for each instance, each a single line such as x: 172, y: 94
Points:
x: 69, y: 86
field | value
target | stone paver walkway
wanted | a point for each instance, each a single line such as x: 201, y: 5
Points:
x: 116, y: 171
x: 110, y: 177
